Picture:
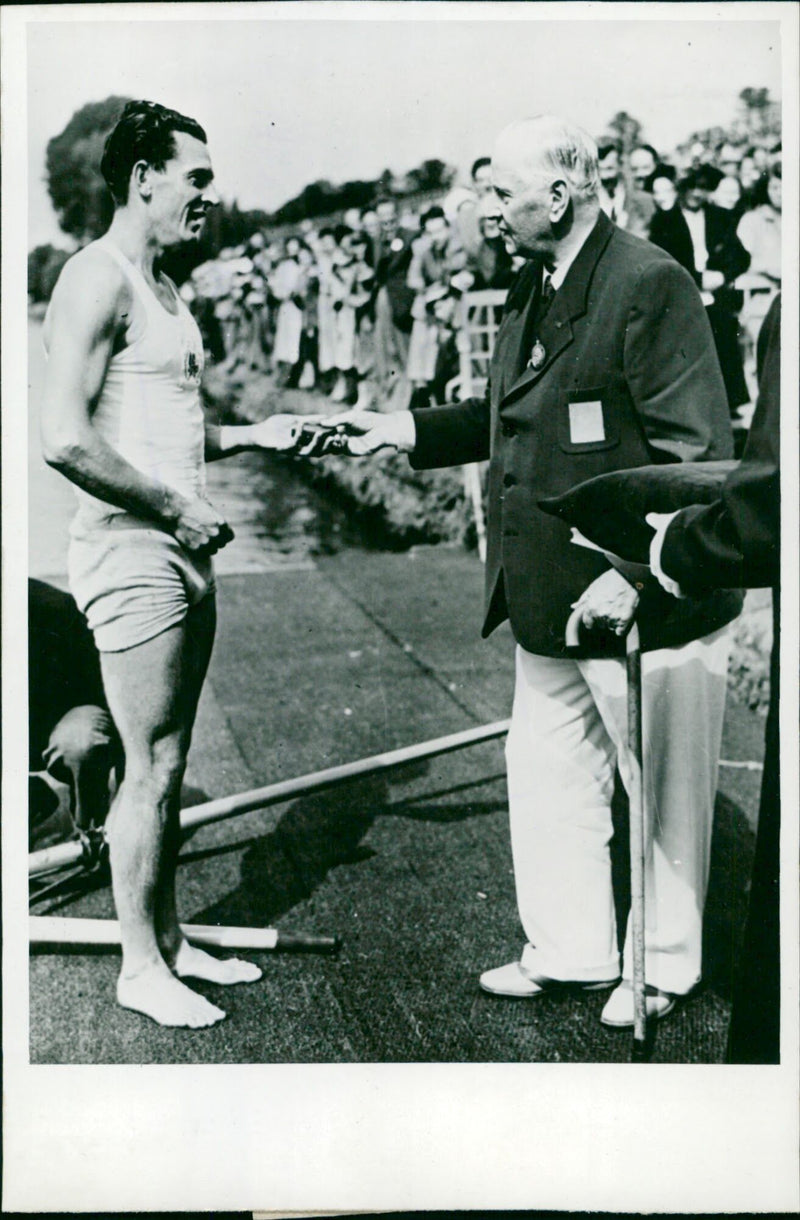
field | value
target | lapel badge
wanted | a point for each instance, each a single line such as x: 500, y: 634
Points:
x: 538, y: 355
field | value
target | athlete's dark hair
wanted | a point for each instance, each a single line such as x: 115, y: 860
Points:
x: 479, y: 164
x: 144, y: 132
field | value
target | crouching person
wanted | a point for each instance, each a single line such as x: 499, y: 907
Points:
x: 75, y: 757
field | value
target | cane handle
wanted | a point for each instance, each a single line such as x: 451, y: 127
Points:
x: 572, y: 633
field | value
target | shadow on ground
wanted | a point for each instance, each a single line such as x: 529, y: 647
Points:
x: 285, y: 867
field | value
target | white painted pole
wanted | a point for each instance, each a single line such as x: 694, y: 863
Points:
x: 258, y: 798
x: 56, y: 930
x: 48, y: 859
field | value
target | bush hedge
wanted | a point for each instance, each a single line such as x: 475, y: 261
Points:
x: 407, y: 507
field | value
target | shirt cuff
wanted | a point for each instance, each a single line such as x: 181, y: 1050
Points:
x: 406, y: 437
x: 661, y: 523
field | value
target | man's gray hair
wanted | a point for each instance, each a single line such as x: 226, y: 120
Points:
x: 558, y: 146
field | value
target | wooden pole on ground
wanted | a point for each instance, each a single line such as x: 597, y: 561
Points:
x: 284, y: 790
x: 48, y: 859
x: 258, y: 798
x: 56, y: 930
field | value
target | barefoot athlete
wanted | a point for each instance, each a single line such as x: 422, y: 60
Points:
x: 122, y: 419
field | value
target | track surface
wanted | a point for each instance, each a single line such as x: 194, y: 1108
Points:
x: 361, y: 654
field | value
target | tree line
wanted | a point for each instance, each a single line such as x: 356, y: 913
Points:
x: 84, y: 207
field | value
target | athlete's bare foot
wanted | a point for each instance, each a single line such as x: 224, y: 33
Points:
x: 156, y: 992
x: 193, y: 963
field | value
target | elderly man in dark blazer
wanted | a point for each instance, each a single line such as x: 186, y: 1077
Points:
x: 604, y: 361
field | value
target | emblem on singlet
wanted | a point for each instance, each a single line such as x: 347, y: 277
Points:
x: 192, y: 363
x: 191, y: 367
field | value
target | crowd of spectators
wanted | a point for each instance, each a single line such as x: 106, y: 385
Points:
x: 366, y: 309
x: 718, y: 217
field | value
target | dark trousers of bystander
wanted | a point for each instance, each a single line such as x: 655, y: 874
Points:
x: 754, y: 1035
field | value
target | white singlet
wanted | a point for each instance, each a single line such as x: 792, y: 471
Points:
x: 136, y: 584
x: 149, y: 409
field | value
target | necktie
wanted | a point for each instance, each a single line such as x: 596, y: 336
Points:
x: 546, y: 298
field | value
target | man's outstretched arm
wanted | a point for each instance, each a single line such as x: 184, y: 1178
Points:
x: 435, y: 436
x: 370, y: 431
x: 83, y: 321
x: 277, y: 432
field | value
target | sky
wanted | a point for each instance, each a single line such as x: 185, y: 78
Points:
x: 286, y: 101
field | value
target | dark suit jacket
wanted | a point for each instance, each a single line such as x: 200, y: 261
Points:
x: 391, y: 272
x: 736, y: 541
x: 725, y: 253
x: 670, y: 232
x: 627, y: 331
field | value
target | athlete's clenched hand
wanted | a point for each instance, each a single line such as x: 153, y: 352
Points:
x: 201, y: 528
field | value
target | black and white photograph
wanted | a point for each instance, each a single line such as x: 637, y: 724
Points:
x: 394, y: 604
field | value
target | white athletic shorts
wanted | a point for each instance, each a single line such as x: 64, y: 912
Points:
x: 132, y: 583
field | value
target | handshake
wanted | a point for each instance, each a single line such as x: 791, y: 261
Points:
x: 352, y: 433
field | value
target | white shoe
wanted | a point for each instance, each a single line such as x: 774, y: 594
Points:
x: 618, y: 1012
x: 513, y: 980
x: 307, y: 379
x: 366, y: 399
x: 339, y: 391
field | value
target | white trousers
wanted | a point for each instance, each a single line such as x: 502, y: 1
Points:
x: 568, y: 730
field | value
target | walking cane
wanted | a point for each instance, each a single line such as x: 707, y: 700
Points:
x: 636, y: 798
x: 633, y: 665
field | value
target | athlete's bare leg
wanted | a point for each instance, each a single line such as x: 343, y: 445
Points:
x: 185, y: 960
x: 154, y: 708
